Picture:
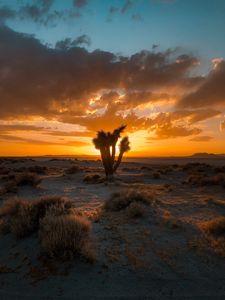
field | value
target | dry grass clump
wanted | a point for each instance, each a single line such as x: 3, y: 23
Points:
x: 156, y: 175
x: 19, y: 217
x: 215, y: 226
x: 38, y: 169
x: 169, y: 220
x: 22, y: 217
x: 72, y: 170
x: 62, y: 231
x: 14, y: 180
x: 65, y: 236
x: 214, y: 231
x: 165, y: 170
x: 93, y: 179
x: 27, y: 179
x: 203, y: 180
x: 123, y: 199
x: 136, y: 210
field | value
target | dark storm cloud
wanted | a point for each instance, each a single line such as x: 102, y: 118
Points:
x: 211, y: 91
x: 37, y: 80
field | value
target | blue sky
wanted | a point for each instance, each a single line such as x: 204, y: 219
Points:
x: 195, y: 25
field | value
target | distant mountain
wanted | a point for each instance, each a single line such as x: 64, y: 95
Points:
x: 207, y: 155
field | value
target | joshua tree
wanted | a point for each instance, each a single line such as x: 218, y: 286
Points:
x: 106, y: 142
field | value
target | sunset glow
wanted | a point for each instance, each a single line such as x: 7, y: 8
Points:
x: 66, y: 76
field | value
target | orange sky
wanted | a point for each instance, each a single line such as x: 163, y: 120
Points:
x: 53, y: 100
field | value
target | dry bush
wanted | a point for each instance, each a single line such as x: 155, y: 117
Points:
x: 72, y: 170
x: 93, y: 179
x: 22, y: 217
x: 27, y: 179
x: 19, y: 217
x: 165, y: 170
x: 215, y: 226
x: 136, y: 210
x: 216, y: 202
x: 65, y: 236
x: 214, y: 231
x: 169, y: 220
x: 4, y: 171
x: 38, y: 169
x: 203, y: 180
x: 56, y: 204
x: 123, y: 199
x: 146, y: 168
x: 156, y: 175
x: 14, y: 180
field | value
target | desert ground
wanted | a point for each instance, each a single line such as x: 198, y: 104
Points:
x: 156, y: 232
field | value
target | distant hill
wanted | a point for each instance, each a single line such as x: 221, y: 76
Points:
x: 207, y: 155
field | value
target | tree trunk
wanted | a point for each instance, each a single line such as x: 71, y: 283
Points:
x: 113, y: 154
x: 118, y: 161
x: 103, y: 158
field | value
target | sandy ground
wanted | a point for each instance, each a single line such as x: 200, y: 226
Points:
x: 162, y: 255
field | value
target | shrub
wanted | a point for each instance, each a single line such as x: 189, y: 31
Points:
x: 22, y: 217
x: 136, y: 210
x: 202, y: 180
x: 64, y: 236
x: 18, y: 217
x: 58, y: 204
x: 123, y: 199
x: 156, y: 175
x: 215, y: 226
x: 72, y: 170
x: 215, y: 234
x: 93, y: 179
x: 27, y: 179
x: 38, y: 169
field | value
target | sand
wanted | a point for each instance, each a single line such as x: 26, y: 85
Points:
x: 163, y: 255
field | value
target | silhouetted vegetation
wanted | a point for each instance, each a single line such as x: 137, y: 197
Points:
x: 123, y: 199
x: 106, y: 143
x: 62, y: 231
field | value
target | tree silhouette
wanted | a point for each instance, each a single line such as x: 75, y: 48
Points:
x: 106, y: 143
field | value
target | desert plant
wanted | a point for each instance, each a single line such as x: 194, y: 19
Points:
x: 65, y: 236
x: 123, y: 199
x: 22, y: 217
x: 136, y: 210
x: 106, y: 143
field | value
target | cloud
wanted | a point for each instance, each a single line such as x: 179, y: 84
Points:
x: 39, y: 11
x: 69, y: 43
x: 168, y: 130
x: 41, y: 81
x: 6, y: 13
x: 19, y: 127
x: 211, y: 91
x: 222, y: 126
x: 126, y: 6
x: 137, y: 17
x: 202, y: 138
x: 17, y: 139
x: 80, y: 3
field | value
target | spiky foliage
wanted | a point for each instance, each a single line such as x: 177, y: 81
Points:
x: 106, y: 142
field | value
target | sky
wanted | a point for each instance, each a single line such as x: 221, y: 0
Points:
x: 70, y: 68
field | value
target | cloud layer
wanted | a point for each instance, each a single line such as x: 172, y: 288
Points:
x: 72, y: 85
